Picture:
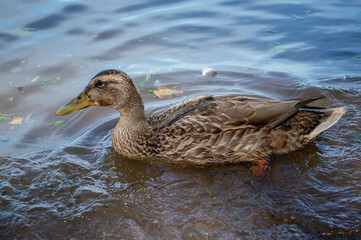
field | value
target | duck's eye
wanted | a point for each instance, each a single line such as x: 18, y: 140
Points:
x: 99, y: 83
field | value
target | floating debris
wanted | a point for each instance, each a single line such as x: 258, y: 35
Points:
x: 148, y: 76
x: 15, y: 70
x: 35, y: 79
x: 59, y: 123
x: 29, y: 29
x: 165, y: 92
x: 209, y: 73
x: 254, y: 196
x: 16, y: 121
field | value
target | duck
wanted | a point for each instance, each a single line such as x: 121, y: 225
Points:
x: 205, y: 130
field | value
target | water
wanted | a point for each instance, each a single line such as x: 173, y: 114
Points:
x: 63, y: 180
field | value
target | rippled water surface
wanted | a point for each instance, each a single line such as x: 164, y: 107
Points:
x: 60, y: 177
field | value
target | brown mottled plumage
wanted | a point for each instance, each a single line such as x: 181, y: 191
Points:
x: 204, y: 130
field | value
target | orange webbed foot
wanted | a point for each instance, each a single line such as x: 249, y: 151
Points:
x: 259, y: 167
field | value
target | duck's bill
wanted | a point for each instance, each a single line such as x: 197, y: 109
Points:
x: 76, y: 104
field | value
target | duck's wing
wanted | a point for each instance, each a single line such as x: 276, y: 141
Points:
x: 203, y: 114
x: 190, y: 107
x: 225, y: 128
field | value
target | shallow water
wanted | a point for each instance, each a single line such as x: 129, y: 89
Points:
x: 60, y: 177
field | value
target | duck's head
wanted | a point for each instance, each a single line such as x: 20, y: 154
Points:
x: 111, y: 88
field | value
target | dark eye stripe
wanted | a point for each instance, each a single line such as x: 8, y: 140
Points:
x: 102, y: 83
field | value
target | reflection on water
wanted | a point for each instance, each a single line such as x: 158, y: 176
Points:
x: 60, y: 177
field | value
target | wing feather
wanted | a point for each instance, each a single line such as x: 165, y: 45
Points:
x: 229, y: 127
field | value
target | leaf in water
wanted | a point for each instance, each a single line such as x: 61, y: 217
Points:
x: 279, y: 49
x: 285, y: 50
x: 35, y: 79
x: 209, y: 73
x: 15, y: 70
x: 147, y: 77
x: 19, y: 32
x: 39, y: 138
x: 16, y: 121
x: 45, y: 81
x: 11, y: 99
x: 59, y: 123
x: 214, y: 197
x: 254, y: 196
x: 4, y: 118
x: 4, y: 140
x: 141, y: 84
x: 165, y: 92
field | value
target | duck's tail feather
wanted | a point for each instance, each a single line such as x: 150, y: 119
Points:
x: 332, y: 116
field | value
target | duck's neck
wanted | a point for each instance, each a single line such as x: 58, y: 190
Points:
x: 132, y: 121
x: 130, y: 129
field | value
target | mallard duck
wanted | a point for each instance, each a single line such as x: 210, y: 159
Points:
x: 204, y: 130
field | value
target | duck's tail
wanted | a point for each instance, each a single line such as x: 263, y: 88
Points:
x: 332, y: 116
